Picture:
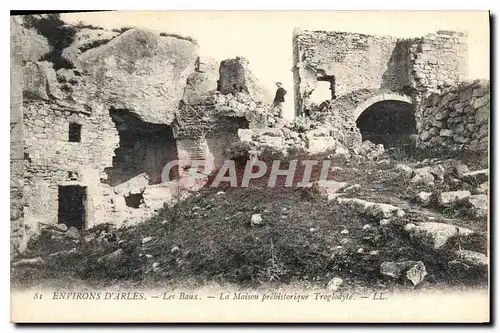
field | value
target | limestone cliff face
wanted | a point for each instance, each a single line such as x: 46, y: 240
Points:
x: 140, y: 71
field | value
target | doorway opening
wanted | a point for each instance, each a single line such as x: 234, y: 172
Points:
x: 387, y: 122
x: 72, y: 202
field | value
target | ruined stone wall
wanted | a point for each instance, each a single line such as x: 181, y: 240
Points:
x: 356, y: 60
x: 16, y: 143
x: 235, y: 76
x: 52, y: 161
x: 456, y: 118
x: 408, y: 66
x: 438, y: 60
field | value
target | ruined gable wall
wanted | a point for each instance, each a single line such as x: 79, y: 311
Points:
x: 457, y: 118
x: 438, y: 60
x: 357, y: 61
x: 50, y: 158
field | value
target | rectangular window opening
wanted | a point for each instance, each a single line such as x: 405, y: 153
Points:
x: 75, y: 132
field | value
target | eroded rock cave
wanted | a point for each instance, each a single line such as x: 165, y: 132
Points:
x: 387, y: 122
x: 144, y: 148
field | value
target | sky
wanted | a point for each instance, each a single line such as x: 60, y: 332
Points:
x: 265, y: 37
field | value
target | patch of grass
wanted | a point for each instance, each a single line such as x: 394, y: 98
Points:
x: 166, y: 34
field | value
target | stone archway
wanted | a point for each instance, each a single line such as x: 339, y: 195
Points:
x: 388, y: 119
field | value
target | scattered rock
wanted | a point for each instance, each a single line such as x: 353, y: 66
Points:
x: 334, y: 169
x: 422, y: 179
x: 377, y: 210
x: 220, y: 193
x: 424, y: 198
x: 334, y: 284
x: 72, y: 233
x: 435, y: 235
x: 405, y: 169
x: 483, y: 188
x: 174, y: 249
x: 360, y: 250
x: 62, y: 227
x: 461, y: 169
x: 472, y: 258
x: 352, y: 189
x: 446, y: 199
x: 367, y: 227
x: 344, y: 232
x: 416, y: 273
x: 146, y: 239
x: 113, y: 259
x: 395, y: 269
x: 438, y: 172
x: 477, y: 205
x: 477, y: 176
x: 374, y: 252
x: 256, y: 219
x: 385, y: 222
x: 28, y: 262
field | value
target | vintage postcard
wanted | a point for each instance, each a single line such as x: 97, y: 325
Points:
x: 319, y: 166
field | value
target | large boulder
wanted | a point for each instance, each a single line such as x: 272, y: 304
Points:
x: 27, y: 42
x: 140, y: 71
x: 86, y: 39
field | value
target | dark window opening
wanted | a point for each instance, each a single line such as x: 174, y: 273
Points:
x: 71, y: 210
x: 144, y: 148
x: 134, y: 200
x: 387, y: 122
x: 75, y: 132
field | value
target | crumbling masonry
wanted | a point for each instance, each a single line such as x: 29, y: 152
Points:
x: 103, y: 111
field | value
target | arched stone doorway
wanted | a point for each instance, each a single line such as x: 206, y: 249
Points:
x: 389, y: 122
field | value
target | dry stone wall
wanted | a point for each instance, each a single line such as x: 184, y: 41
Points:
x: 456, y: 118
x: 52, y: 161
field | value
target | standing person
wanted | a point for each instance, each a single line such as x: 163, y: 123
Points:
x: 279, y: 98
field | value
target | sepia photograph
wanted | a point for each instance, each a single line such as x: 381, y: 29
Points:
x: 250, y: 166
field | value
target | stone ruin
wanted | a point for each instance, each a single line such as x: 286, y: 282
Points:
x: 96, y: 114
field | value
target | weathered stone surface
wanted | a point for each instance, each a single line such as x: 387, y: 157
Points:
x: 449, y: 198
x: 424, y: 198
x: 85, y: 39
x: 139, y: 71
x: 477, y: 205
x: 472, y: 258
x: 40, y: 81
x: 422, y: 179
x: 256, y: 219
x: 378, y: 210
x: 416, y: 273
x: 405, y: 169
x: 483, y: 188
x: 29, y: 262
x: 334, y: 284
x: 477, y: 176
x: 235, y: 76
x: 352, y: 189
x: 113, y: 259
x: 395, y: 269
x: 27, y: 43
x: 435, y: 235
